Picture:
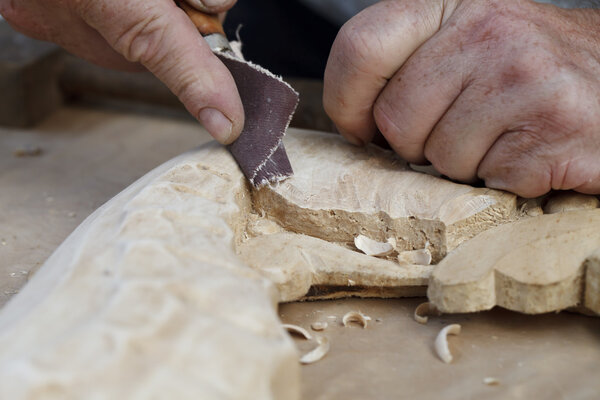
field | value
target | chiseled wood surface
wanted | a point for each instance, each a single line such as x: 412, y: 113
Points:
x: 89, y: 156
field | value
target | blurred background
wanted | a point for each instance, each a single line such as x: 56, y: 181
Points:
x: 287, y: 37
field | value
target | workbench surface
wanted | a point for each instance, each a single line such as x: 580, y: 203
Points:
x: 88, y: 156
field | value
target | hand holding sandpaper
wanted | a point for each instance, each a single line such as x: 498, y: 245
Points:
x: 133, y: 34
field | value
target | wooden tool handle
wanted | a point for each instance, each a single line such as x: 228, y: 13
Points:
x: 207, y: 24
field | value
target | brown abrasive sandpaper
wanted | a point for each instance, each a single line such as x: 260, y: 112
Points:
x: 269, y: 104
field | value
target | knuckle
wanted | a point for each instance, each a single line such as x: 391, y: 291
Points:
x: 571, y: 102
x: 356, y: 46
x: 142, y: 40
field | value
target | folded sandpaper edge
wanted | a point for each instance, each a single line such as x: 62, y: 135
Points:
x: 269, y: 105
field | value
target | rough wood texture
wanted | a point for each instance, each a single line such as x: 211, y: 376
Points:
x: 533, y: 266
x: 340, y: 191
x: 146, y: 299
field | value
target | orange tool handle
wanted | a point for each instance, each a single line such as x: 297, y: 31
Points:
x: 207, y: 24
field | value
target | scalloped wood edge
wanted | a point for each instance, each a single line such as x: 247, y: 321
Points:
x: 536, y: 265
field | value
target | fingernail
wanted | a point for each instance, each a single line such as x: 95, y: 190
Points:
x: 217, y: 124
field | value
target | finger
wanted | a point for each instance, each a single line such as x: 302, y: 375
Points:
x: 469, y: 128
x: 160, y: 36
x: 525, y: 163
x: 367, y: 52
x: 212, y: 6
x: 417, y: 97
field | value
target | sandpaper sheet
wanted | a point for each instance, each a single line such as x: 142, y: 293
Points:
x: 269, y: 104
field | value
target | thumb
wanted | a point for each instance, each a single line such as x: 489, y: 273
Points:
x: 211, y: 6
x: 160, y: 36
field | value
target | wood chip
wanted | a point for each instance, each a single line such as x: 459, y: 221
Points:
x: 491, y: 381
x: 297, y: 330
x: 319, y: 326
x: 356, y: 316
x: 423, y: 311
x: 441, y: 342
x: 372, y: 247
x: 318, y: 353
x: 27, y: 151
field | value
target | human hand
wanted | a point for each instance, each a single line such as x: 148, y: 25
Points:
x: 505, y: 91
x: 129, y: 34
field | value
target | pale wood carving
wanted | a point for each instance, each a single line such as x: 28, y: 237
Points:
x: 533, y: 266
x: 147, y: 299
x: 170, y: 289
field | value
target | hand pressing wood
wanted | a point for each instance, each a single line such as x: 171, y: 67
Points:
x: 536, y: 265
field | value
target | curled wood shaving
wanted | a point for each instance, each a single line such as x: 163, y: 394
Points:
x: 356, y: 316
x: 424, y: 310
x: 441, y: 342
x: 319, y: 352
x: 319, y: 326
x: 297, y: 330
x: 372, y: 247
x: 491, y: 381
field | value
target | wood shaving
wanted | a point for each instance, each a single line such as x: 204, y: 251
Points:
x: 319, y: 326
x: 27, y: 151
x: 423, y: 311
x: 319, y: 352
x: 297, y: 330
x: 372, y: 247
x: 418, y: 257
x: 356, y: 316
x: 441, y: 342
x: 491, y: 381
